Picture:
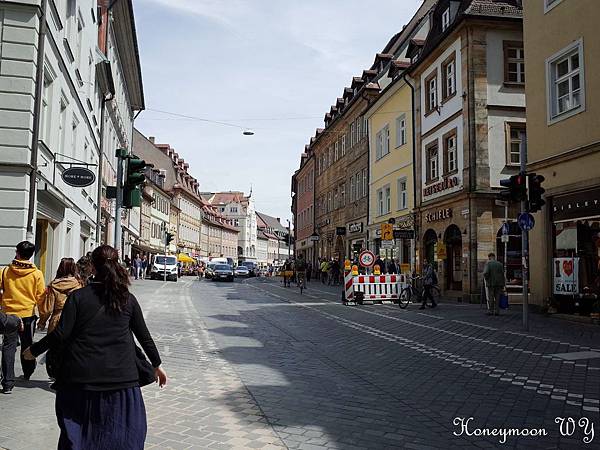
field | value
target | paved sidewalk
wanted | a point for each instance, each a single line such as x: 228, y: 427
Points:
x: 205, y: 405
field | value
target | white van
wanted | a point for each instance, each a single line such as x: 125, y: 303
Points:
x: 164, y: 263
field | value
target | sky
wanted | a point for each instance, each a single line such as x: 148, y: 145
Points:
x: 273, y: 66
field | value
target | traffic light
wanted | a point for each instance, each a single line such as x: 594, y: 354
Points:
x: 132, y: 196
x: 169, y: 237
x: 535, y: 192
x: 516, y: 188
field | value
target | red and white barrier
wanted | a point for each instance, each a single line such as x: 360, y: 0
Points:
x: 348, y: 289
x: 378, y: 287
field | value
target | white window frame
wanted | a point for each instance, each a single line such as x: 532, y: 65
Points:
x: 450, y: 78
x: 551, y: 82
x: 400, y: 130
x: 343, y: 145
x: 452, y: 153
x: 387, y: 191
x: 432, y: 99
x: 352, y: 134
x: 445, y: 19
x: 365, y: 184
x: 379, y: 145
x: 380, y: 202
x: 550, y: 4
x: 352, y: 189
x: 402, y: 193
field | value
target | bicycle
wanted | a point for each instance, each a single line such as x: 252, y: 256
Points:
x: 411, y: 292
x: 301, y: 280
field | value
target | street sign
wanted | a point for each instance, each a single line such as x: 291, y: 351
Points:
x: 504, y: 238
x: 78, y: 176
x: 387, y: 232
x: 387, y: 244
x: 505, y: 228
x: 526, y: 221
x: 366, y: 258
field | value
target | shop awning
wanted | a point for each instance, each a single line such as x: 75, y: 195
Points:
x: 182, y: 257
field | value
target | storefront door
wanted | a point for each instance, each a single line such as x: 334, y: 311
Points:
x: 454, y: 270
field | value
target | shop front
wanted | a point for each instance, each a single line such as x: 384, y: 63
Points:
x: 356, y: 239
x: 575, y: 265
x: 401, y: 247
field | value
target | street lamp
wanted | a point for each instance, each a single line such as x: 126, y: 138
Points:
x: 314, y: 238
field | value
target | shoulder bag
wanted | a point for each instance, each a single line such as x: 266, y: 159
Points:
x: 145, y: 370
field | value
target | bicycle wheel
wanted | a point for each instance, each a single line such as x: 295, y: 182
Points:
x: 405, y: 297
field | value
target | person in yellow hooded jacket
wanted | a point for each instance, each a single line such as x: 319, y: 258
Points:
x: 23, y: 290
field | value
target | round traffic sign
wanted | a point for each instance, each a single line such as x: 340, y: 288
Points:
x: 526, y: 221
x: 366, y: 258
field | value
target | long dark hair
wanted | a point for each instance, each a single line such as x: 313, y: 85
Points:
x: 112, y: 277
x: 67, y: 268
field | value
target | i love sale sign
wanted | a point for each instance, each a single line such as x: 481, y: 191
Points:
x: 566, y: 276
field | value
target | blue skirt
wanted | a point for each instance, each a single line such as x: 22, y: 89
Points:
x: 101, y: 420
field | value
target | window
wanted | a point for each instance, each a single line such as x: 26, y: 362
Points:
x: 329, y: 202
x: 431, y: 93
x: 352, y: 189
x: 387, y: 194
x: 566, y: 82
x: 343, y: 195
x: 382, y: 142
x: 343, y: 145
x: 336, y: 149
x: 62, y: 123
x: 450, y: 152
x: 432, y: 161
x: 336, y: 199
x: 549, y: 4
x: 46, y: 117
x: 358, y: 185
x: 401, y: 130
x: 445, y: 19
x: 402, y: 194
x: 365, y: 179
x: 352, y: 134
x: 330, y: 152
x: 514, y: 63
x: 359, y: 121
x: 513, y: 143
x: 380, y: 204
x: 449, y: 77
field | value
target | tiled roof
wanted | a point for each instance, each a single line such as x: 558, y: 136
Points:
x: 505, y: 8
x: 271, y: 222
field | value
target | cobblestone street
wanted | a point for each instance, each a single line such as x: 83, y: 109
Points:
x: 255, y: 365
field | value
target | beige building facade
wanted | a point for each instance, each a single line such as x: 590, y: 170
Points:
x: 564, y: 147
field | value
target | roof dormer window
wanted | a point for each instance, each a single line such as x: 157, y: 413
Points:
x: 445, y: 19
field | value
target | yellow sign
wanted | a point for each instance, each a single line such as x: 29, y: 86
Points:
x: 354, y: 270
x: 441, y: 250
x: 387, y: 232
x: 347, y: 264
x: 376, y: 270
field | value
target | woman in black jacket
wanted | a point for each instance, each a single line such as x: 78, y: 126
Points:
x: 99, y: 403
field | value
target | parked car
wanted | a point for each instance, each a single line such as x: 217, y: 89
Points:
x: 162, y: 264
x: 242, y: 271
x: 223, y: 272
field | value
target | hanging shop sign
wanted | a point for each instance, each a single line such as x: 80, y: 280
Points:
x: 404, y: 234
x: 440, y: 214
x: 356, y: 227
x: 78, y: 176
x: 340, y: 231
x: 441, y: 186
x: 566, y: 276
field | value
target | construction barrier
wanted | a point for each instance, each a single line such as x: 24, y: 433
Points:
x: 372, y: 287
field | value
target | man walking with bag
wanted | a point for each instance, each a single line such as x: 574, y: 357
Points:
x: 23, y: 289
x: 495, y: 283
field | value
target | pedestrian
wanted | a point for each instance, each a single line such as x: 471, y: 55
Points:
x: 127, y: 261
x: 66, y: 281
x: 391, y: 268
x: 23, y: 290
x: 99, y: 403
x: 84, y: 268
x: 379, y: 262
x: 334, y: 273
x: 137, y: 266
x: 144, y: 266
x: 493, y: 274
x: 429, y: 280
x: 324, y: 271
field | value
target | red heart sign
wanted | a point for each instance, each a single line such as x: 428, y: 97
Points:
x: 568, y: 267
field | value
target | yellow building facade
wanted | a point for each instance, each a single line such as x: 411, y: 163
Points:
x: 391, y: 180
x: 563, y: 106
